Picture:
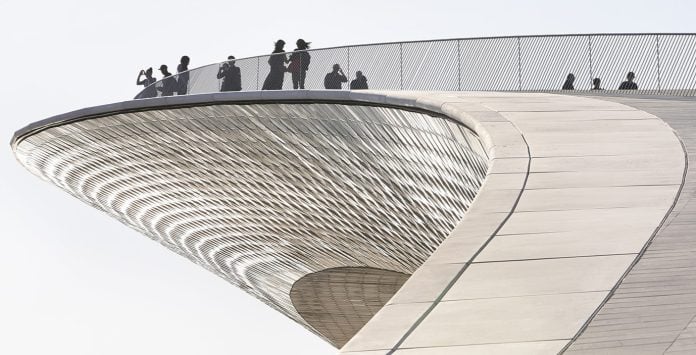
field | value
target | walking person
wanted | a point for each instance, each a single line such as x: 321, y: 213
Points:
x: 149, y: 90
x: 277, y: 60
x: 335, y: 79
x: 231, y: 76
x: 299, y: 64
x: 183, y: 75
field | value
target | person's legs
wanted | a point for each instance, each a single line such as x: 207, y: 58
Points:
x: 303, y: 75
x: 296, y: 80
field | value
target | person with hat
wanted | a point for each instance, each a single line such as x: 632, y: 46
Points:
x: 299, y: 64
x: 168, y: 82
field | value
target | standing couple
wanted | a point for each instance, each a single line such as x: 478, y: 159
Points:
x: 298, y: 65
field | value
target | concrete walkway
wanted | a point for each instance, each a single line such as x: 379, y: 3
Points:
x: 653, y: 311
x: 576, y: 189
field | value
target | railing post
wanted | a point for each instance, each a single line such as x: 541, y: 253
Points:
x: 349, y: 67
x: 519, y: 63
x: 258, y: 69
x: 401, y: 65
x: 589, y: 46
x: 659, y: 73
x: 459, y: 66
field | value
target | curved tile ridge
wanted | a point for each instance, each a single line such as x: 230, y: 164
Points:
x: 337, y: 302
x: 263, y: 193
x: 576, y: 188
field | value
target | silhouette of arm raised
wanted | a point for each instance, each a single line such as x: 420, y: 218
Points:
x: 138, y: 81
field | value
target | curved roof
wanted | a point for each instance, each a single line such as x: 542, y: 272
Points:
x: 263, y: 194
x: 556, y: 243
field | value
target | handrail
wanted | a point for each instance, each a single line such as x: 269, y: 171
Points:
x: 663, y: 63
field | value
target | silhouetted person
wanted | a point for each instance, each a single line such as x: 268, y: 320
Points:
x: 169, y: 85
x: 149, y: 90
x: 277, y: 60
x: 231, y: 76
x: 596, y: 84
x: 183, y: 77
x: 360, y: 82
x: 629, y: 84
x: 299, y: 64
x: 568, y: 84
x: 335, y: 79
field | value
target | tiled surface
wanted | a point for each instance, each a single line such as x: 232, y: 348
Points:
x: 602, y: 177
x: 527, y: 348
x: 653, y: 310
x: 504, y: 320
x: 538, y: 277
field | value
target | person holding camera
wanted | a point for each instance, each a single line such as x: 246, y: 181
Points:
x: 148, y: 91
x: 231, y: 76
x: 335, y: 79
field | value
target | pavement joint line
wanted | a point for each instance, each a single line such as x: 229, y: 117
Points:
x: 522, y: 296
x: 454, y: 280
x: 476, y: 344
x: 553, y: 258
x: 640, y: 254
x: 693, y: 319
x: 598, y: 187
x: 588, y: 209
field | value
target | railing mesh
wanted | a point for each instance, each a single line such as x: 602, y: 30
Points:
x: 662, y: 64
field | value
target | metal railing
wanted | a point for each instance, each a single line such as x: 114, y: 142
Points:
x: 662, y: 63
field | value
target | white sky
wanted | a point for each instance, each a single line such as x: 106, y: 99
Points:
x: 74, y: 281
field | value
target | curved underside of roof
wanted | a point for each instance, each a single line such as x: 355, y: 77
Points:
x: 524, y: 218
x: 338, y: 302
x: 263, y: 194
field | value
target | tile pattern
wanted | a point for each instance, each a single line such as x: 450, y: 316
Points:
x: 552, y: 229
x: 654, y: 308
